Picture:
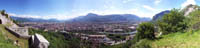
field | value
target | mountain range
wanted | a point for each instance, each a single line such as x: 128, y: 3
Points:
x: 160, y: 15
x: 187, y: 10
x: 91, y: 17
x: 21, y: 19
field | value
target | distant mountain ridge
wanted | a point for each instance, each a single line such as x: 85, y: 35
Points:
x: 33, y: 19
x: 160, y: 15
x: 187, y: 10
x: 91, y: 17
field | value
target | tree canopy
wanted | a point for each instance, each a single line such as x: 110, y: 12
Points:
x: 145, y: 30
x: 172, y: 22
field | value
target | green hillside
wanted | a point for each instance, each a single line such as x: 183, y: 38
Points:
x: 174, y: 30
x: 7, y: 39
x: 4, y: 41
x: 175, y: 40
x: 178, y: 40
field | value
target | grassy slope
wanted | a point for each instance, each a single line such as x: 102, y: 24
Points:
x: 178, y: 40
x: 4, y: 34
x: 4, y: 43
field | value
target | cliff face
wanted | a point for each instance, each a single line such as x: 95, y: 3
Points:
x: 190, y: 8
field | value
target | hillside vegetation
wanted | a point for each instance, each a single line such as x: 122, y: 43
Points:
x: 173, y: 30
x: 4, y: 41
x: 61, y: 40
x: 7, y: 39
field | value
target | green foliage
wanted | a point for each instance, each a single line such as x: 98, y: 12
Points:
x: 145, y: 30
x: 172, y: 22
x: 144, y: 43
x: 60, y: 40
x: 116, y: 37
x: 194, y: 20
x: 178, y: 40
x: 5, y: 43
x: 3, y: 12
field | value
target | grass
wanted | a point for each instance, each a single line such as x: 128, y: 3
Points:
x: 178, y: 40
x: 4, y: 43
x: 23, y: 43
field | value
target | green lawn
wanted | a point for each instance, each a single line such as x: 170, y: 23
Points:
x: 178, y: 40
x: 6, y: 36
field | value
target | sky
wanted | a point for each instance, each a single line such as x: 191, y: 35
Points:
x: 67, y: 9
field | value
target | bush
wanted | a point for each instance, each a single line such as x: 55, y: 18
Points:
x: 145, y: 30
x: 144, y: 43
x: 194, y: 20
x: 3, y: 12
x: 116, y: 37
x: 172, y: 22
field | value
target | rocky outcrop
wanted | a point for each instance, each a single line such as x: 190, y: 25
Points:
x: 38, y: 41
x: 190, y: 8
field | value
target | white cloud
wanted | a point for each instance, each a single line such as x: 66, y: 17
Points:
x: 157, y: 2
x: 187, y: 2
x: 149, y: 8
x: 126, y: 1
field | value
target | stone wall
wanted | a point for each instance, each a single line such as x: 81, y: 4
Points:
x: 37, y: 40
x: 21, y: 32
x: 4, y: 19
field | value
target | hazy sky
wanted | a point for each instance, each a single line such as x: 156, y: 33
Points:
x: 66, y: 9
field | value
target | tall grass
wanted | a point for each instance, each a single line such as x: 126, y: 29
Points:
x: 178, y: 40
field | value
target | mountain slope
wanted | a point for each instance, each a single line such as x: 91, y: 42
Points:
x: 33, y: 19
x: 178, y: 40
x: 159, y: 15
x: 109, y: 18
x: 186, y: 38
x: 190, y: 8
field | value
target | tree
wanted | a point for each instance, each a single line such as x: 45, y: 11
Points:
x: 3, y: 12
x: 172, y: 22
x: 145, y: 30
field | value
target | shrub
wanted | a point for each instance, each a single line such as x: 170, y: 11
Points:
x: 172, y: 22
x: 145, y: 30
x: 194, y: 20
